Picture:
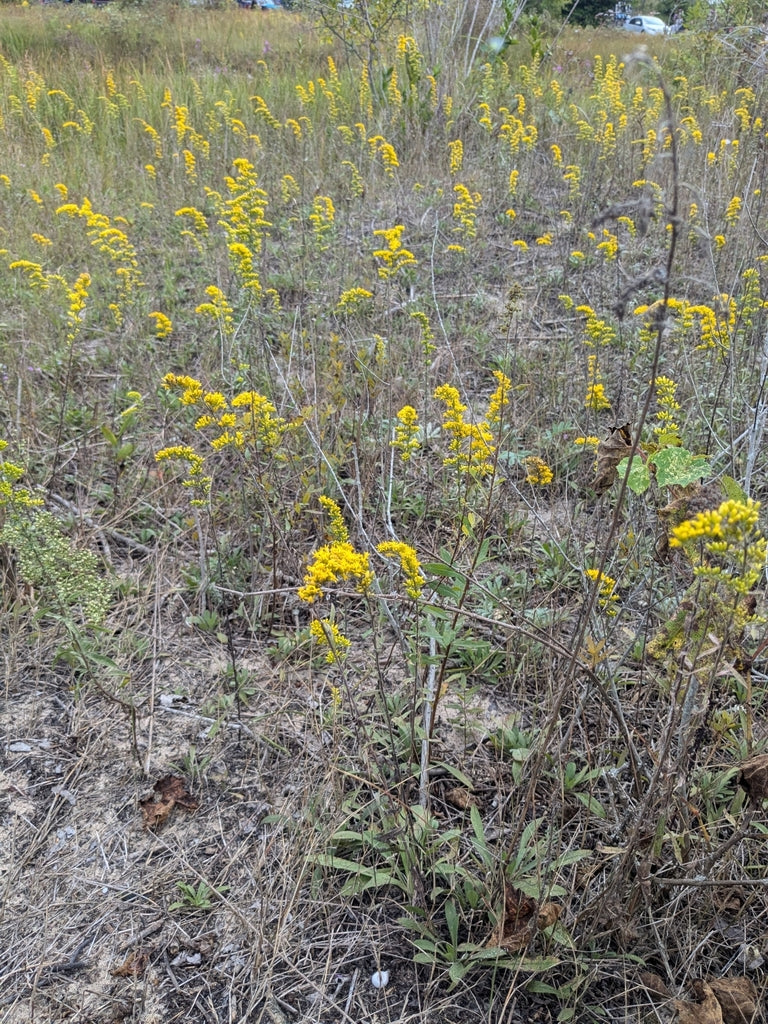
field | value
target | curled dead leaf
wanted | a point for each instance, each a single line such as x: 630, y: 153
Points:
x: 460, y: 797
x: 753, y: 777
x: 167, y: 793
x: 654, y: 985
x: 737, y: 998
x: 610, y: 451
x: 705, y: 1011
x: 521, y: 918
x: 549, y: 914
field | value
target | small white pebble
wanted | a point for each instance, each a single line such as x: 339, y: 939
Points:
x: 380, y: 979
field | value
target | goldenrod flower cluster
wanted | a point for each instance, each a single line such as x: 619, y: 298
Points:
x: 406, y: 433
x: 607, y: 596
x: 218, y: 309
x: 338, y: 528
x: 456, y: 155
x: 327, y: 634
x: 596, y: 398
x: 465, y: 211
x: 471, y: 447
x: 110, y: 240
x: 333, y: 563
x: 321, y: 218
x: 427, y: 334
x: 248, y: 420
x: 395, y: 257
x: 12, y: 497
x: 731, y: 536
x: 596, y: 331
x: 163, y: 324
x: 499, y: 399
x: 196, y: 480
x: 538, y: 472
x: 666, y: 430
x: 353, y: 301
x: 77, y: 296
x: 413, y: 578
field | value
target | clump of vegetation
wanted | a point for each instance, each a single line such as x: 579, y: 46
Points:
x: 395, y: 423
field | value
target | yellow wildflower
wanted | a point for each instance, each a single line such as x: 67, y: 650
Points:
x: 333, y: 563
x: 406, y: 431
x: 327, y: 634
x: 539, y: 473
x: 413, y: 577
x: 606, y: 591
x: 338, y: 528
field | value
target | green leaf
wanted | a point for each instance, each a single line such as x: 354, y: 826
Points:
x: 592, y: 805
x: 639, y: 478
x: 439, y: 569
x: 732, y: 489
x: 460, y: 776
x: 572, y: 856
x: 676, y: 466
x: 457, y: 970
x: 452, y: 920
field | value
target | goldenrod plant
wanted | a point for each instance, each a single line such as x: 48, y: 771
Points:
x: 383, y: 403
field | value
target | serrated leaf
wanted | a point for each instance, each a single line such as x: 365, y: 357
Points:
x: 677, y: 467
x: 639, y: 478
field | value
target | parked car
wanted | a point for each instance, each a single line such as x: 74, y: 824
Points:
x: 647, y: 24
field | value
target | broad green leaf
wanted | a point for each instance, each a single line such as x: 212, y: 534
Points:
x: 639, y: 478
x: 457, y: 971
x: 676, y: 466
x: 732, y: 489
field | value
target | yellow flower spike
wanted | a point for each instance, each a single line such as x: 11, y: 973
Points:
x: 327, y: 634
x: 406, y: 431
x: 456, y: 155
x: 607, y: 597
x: 538, y: 472
x: 163, y: 324
x: 730, y: 535
x: 338, y: 528
x: 471, y: 448
x: 499, y: 398
x: 596, y: 398
x: 413, y: 578
x: 666, y: 430
x: 353, y: 301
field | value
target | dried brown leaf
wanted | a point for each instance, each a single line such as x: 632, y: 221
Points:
x: 167, y: 793
x: 737, y: 998
x: 133, y: 966
x: 460, y: 797
x: 610, y: 452
x: 753, y: 777
x: 654, y: 985
x: 521, y: 918
x: 549, y: 914
x: 705, y: 1011
x: 513, y: 933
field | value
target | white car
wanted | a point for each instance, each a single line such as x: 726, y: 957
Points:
x: 645, y: 23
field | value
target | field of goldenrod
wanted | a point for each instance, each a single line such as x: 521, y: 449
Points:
x: 383, y: 421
